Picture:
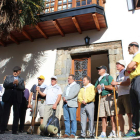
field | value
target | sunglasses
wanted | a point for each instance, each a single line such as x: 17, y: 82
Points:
x: 53, y: 79
x: 39, y: 79
x: 15, y: 71
x: 130, y: 45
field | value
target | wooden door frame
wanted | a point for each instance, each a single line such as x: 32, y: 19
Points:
x: 72, y: 71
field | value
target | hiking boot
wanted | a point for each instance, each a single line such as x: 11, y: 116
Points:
x: 81, y: 137
x: 137, y: 133
x: 72, y: 137
x: 112, y: 135
x: 2, y: 132
x: 30, y: 130
x: 65, y: 136
x: 130, y: 133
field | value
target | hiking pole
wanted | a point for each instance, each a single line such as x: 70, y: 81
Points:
x: 35, y: 109
x: 98, y: 115
x: 116, y: 111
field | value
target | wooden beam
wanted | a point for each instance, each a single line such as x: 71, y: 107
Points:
x: 58, y: 27
x: 14, y: 39
x: 76, y: 24
x: 96, y: 21
x: 27, y: 35
x: 41, y: 31
x: 2, y: 43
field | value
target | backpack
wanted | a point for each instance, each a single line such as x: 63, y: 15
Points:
x: 53, y: 120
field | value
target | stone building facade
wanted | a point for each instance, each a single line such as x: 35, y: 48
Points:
x: 64, y: 59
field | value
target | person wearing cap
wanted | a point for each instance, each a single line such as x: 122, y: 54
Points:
x: 107, y: 106
x: 53, y: 96
x: 70, y: 105
x: 133, y: 69
x: 123, y: 86
x: 14, y: 87
x: 40, y: 102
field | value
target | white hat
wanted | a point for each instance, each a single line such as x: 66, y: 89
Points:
x: 122, y: 62
x: 54, y: 77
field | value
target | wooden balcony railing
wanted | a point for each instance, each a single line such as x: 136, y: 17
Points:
x: 57, y: 5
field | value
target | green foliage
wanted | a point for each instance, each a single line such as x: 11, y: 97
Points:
x: 14, y: 14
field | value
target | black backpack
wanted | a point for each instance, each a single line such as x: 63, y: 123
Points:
x: 53, y: 120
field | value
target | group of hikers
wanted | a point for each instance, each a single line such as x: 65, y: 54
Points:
x: 127, y: 86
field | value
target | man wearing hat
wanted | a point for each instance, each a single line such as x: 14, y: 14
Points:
x: 107, y: 106
x: 124, y: 105
x: 53, y: 96
x: 14, y: 87
x: 40, y: 101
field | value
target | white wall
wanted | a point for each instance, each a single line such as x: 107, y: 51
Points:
x: 38, y: 57
x: 34, y: 59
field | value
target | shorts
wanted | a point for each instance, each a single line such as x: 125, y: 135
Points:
x: 107, y: 106
x: 48, y: 112
x: 40, y: 108
x: 124, y: 104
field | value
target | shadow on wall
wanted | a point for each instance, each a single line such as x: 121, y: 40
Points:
x: 31, y: 55
x: 29, y: 63
x: 29, y: 58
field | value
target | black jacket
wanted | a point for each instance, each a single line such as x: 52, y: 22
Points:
x: 10, y: 89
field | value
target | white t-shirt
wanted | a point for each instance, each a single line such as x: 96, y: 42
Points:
x: 52, y: 93
x: 1, y: 91
x: 122, y: 90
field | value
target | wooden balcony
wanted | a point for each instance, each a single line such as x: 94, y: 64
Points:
x: 62, y: 17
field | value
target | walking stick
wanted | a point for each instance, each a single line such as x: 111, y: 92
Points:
x: 98, y: 116
x: 116, y: 111
x: 35, y: 109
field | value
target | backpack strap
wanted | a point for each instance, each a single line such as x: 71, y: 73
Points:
x: 107, y: 78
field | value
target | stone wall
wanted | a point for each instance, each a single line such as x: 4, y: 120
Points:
x: 63, y: 59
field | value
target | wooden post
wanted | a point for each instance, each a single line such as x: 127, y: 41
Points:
x: 35, y: 110
x: 98, y: 116
x: 56, y: 5
x: 116, y: 111
x: 94, y: 1
x: 101, y: 3
x: 73, y: 3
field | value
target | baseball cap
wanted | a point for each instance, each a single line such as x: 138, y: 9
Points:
x: 54, y: 77
x: 16, y: 68
x: 102, y: 67
x: 122, y: 62
x: 41, y: 77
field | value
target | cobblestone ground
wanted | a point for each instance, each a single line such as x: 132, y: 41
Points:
x: 24, y: 136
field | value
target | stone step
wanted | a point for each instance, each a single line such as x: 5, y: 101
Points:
x: 37, y: 128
